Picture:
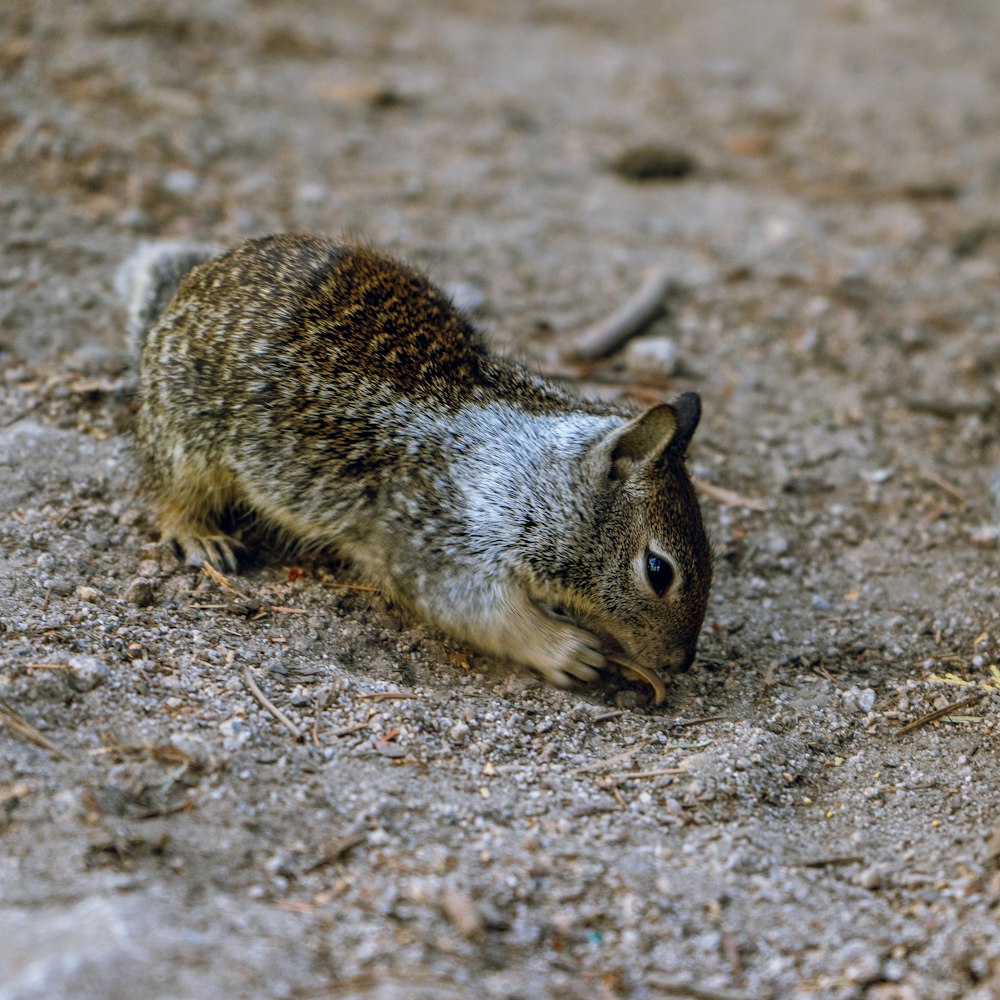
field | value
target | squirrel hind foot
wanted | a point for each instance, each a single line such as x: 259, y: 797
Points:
x: 198, y: 544
x: 219, y: 551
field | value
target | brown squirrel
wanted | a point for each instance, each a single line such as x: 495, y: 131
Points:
x: 340, y: 397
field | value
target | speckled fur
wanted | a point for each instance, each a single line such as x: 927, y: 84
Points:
x: 341, y: 397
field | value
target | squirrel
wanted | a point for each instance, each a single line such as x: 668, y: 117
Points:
x: 341, y: 398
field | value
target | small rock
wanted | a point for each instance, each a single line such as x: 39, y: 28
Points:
x: 234, y: 732
x: 986, y: 537
x: 86, y: 672
x: 96, y: 539
x: 180, y: 182
x: 870, y: 878
x: 859, y: 699
x: 462, y: 912
x: 859, y: 962
x: 652, y: 355
x: 654, y: 162
x: 90, y: 594
x: 459, y: 733
x: 141, y: 592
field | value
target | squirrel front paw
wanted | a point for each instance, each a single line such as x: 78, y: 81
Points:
x: 561, y: 651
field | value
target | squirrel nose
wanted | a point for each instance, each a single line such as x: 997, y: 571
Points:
x: 680, y: 661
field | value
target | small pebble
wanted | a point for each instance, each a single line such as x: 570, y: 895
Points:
x: 652, y: 355
x: 180, y: 182
x: 654, y: 162
x: 86, y: 672
x: 90, y: 594
x: 870, y: 878
x: 859, y: 962
x: 141, y: 592
x: 462, y: 912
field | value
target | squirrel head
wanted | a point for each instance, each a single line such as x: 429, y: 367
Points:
x: 643, y: 585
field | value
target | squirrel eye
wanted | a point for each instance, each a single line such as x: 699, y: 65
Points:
x: 659, y: 572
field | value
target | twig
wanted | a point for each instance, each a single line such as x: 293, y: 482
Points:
x: 946, y: 406
x: 728, y: 498
x: 605, y: 716
x: 633, y: 315
x: 335, y: 851
x: 270, y: 706
x: 223, y: 581
x: 322, y: 700
x: 16, y: 722
x: 831, y: 862
x: 939, y: 713
x: 658, y: 772
x: 950, y: 488
x: 354, y: 727
x: 702, y: 722
x: 387, y: 696
x: 20, y: 416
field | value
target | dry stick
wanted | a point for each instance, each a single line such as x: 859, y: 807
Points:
x: 831, y: 862
x: 354, y: 727
x: 630, y: 318
x: 945, y: 406
x: 727, y: 497
x: 703, y: 722
x: 658, y: 772
x: 14, y: 721
x: 387, y: 696
x: 223, y: 581
x: 336, y: 851
x: 939, y: 713
x: 950, y: 488
x: 270, y: 706
x: 605, y: 716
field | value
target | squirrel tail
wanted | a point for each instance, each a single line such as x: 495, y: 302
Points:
x: 147, y: 279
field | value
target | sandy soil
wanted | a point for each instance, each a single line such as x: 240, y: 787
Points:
x: 448, y: 826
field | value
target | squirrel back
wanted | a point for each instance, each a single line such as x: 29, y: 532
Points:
x: 338, y: 395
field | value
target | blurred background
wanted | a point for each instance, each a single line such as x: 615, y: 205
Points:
x: 543, y: 151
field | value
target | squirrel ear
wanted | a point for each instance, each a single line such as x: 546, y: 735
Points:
x: 666, y: 427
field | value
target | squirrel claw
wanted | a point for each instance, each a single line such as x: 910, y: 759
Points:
x: 217, y: 550
x: 578, y: 660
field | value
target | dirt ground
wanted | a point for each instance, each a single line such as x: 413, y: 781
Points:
x: 448, y: 826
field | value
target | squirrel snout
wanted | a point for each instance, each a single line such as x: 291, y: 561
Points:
x: 681, y: 662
